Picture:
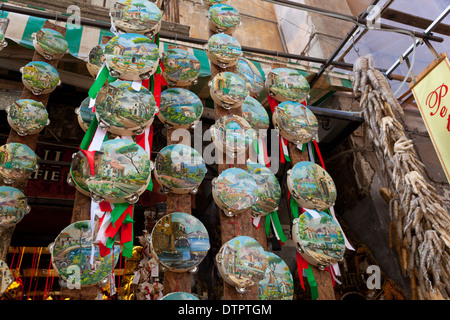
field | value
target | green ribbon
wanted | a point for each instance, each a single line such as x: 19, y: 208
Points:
x: 90, y: 132
x: 276, y: 222
x: 150, y: 185
x: 127, y: 247
x: 117, y: 212
x: 103, y: 75
x: 294, y: 208
x: 312, y: 283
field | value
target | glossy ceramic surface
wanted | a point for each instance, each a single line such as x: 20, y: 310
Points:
x: 27, y: 116
x: 287, y: 85
x: 96, y: 59
x: 180, y: 66
x: 223, y: 50
x: 17, y: 162
x: 6, y: 277
x: 278, y: 283
x: 223, y: 18
x: 248, y: 71
x: 85, y: 115
x: 256, y: 115
x: 50, y: 43
x: 228, y: 90
x: 13, y: 206
x: 79, y: 172
x: 179, y: 108
x: 40, y: 77
x: 179, y: 296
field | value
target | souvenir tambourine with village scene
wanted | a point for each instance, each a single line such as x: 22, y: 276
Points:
x: 181, y: 67
x: 27, y: 116
x: 50, y: 43
x: 179, y: 296
x: 40, y: 77
x: 124, y: 110
x: 122, y: 172
x: 223, y: 18
x: 179, y: 169
x: 6, y: 278
x: 234, y: 191
x: 248, y: 71
x: 71, y: 255
x: 311, y: 186
x: 285, y: 84
x: 228, y: 90
x: 232, y: 135
x: 3, y: 26
x: 318, y: 238
x: 295, y: 122
x: 13, y: 206
x: 256, y: 116
x: 179, y: 242
x: 179, y: 108
x: 85, y: 115
x: 131, y: 56
x: 268, y: 189
x: 17, y: 162
x: 96, y: 59
x: 79, y: 172
x: 278, y: 283
x: 242, y: 262
x: 136, y: 16
x: 223, y: 50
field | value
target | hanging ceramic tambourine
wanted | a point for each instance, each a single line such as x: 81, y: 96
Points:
x: 96, y: 59
x: 123, y: 110
x: 122, y: 172
x: 268, y: 189
x: 85, y: 115
x: 223, y: 18
x: 13, y: 206
x: 278, y: 283
x: 181, y: 67
x: 131, y: 56
x: 179, y: 169
x: 318, y: 238
x: 79, y: 172
x: 232, y: 135
x: 223, y: 50
x: 71, y: 256
x: 6, y: 278
x: 228, y: 90
x: 286, y: 84
x: 40, y: 77
x: 256, y: 116
x: 27, y: 116
x: 179, y: 242
x: 251, y: 74
x: 311, y: 186
x: 17, y: 162
x: 136, y: 16
x: 180, y: 108
x: 50, y: 44
x: 234, y: 191
x: 242, y: 262
x: 295, y: 122
x: 179, y: 296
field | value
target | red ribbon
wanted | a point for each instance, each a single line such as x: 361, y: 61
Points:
x: 301, y: 265
x: 113, y: 228
x: 316, y: 146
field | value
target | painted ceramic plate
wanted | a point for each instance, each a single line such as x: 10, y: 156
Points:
x: 295, y: 122
x: 13, y: 206
x: 180, y: 67
x: 143, y: 17
x: 251, y: 74
x: 122, y: 110
x: 319, y: 238
x: 311, y: 186
x: 79, y: 172
x: 223, y: 18
x: 27, y: 116
x: 242, y: 262
x: 6, y: 277
x: 179, y: 108
x: 269, y: 190
x: 50, y: 43
x: 17, y: 162
x: 180, y: 169
x: 40, y: 77
x: 228, y: 90
x: 85, y: 115
x: 234, y: 191
x: 131, y: 56
x: 256, y: 115
x: 232, y: 134
x: 179, y: 296
x: 71, y: 254
x: 286, y: 84
x: 179, y: 241
x: 122, y: 172
x: 223, y: 50
x: 278, y: 283
x: 96, y: 59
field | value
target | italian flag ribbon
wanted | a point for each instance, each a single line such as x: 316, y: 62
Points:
x: 284, y: 151
x: 260, y: 147
x: 273, y: 220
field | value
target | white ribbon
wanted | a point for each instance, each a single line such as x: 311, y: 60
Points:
x: 347, y: 243
x: 261, y: 158
x: 101, y: 235
x: 136, y: 85
x: 313, y: 213
x: 300, y: 146
x: 274, y: 229
x: 147, y: 144
x: 91, y: 103
x: 256, y: 220
x: 130, y: 138
x: 97, y: 140
x: 284, y: 145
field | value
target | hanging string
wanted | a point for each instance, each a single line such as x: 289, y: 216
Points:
x: 47, y: 279
x: 12, y: 261
x: 36, y: 271
x: 33, y: 264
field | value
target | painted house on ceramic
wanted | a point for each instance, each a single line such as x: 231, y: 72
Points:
x: 113, y: 168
